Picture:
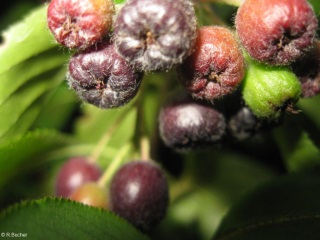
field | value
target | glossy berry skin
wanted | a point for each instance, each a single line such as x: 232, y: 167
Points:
x: 139, y: 194
x: 100, y: 76
x: 276, y: 32
x: 155, y: 34
x: 78, y: 24
x: 307, y: 69
x: 216, y: 67
x: 74, y: 173
x: 186, y: 124
x: 91, y: 194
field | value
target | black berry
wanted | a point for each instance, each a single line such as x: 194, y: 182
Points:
x: 139, y: 194
x: 185, y: 124
x: 100, y: 76
x: 307, y: 69
x: 155, y: 34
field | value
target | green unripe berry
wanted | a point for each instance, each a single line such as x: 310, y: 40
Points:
x: 269, y: 90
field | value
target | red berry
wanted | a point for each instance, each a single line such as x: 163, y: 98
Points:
x: 91, y: 194
x: 216, y: 67
x: 276, y: 31
x: 79, y: 24
x: 74, y: 173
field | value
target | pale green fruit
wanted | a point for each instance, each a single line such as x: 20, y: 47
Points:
x: 270, y: 90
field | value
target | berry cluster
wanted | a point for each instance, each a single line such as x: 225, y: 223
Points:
x: 138, y: 191
x: 264, y: 65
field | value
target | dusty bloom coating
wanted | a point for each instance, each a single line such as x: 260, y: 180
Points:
x: 155, y: 34
x: 79, y: 23
x: 100, y: 76
x: 216, y: 67
x: 276, y: 32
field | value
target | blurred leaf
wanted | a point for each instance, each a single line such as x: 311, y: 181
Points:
x: 53, y: 218
x: 316, y: 6
x: 25, y: 39
x: 25, y: 97
x: 213, y: 180
x: 298, y: 149
x: 58, y: 109
x: 25, y: 152
x: 96, y: 122
x: 30, y: 67
x: 287, y: 208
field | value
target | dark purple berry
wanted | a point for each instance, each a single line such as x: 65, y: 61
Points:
x: 73, y: 174
x: 216, y: 67
x: 79, y: 24
x: 155, y: 34
x: 185, y: 124
x: 100, y: 76
x: 307, y: 69
x: 276, y: 31
x: 139, y: 194
x: 243, y: 124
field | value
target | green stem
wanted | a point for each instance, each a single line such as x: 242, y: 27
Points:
x: 114, y: 165
x: 104, y: 140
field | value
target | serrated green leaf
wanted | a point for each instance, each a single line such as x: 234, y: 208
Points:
x: 285, y: 209
x: 25, y: 39
x: 53, y: 218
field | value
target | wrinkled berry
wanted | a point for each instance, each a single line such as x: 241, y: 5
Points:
x: 100, y: 76
x: 79, y: 24
x: 307, y: 70
x: 155, y: 34
x: 276, y: 32
x: 216, y: 67
x: 139, y: 194
x: 184, y: 124
x: 270, y: 90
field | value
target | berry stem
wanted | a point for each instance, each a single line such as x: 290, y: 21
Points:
x: 145, y: 148
x: 114, y: 165
x: 104, y: 140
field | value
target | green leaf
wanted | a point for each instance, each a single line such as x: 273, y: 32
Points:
x: 96, y: 122
x: 25, y: 39
x: 296, y: 144
x: 24, y: 153
x: 287, y: 208
x: 53, y: 218
x: 58, y: 109
x: 26, y: 97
